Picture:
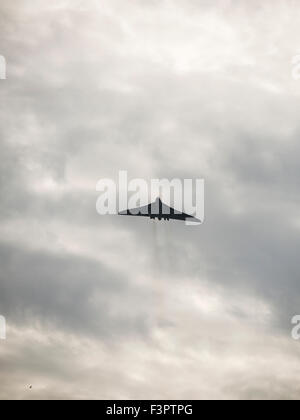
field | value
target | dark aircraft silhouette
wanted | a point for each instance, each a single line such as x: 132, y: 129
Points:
x: 159, y: 210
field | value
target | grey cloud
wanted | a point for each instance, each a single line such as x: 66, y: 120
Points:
x: 162, y: 89
x: 68, y: 292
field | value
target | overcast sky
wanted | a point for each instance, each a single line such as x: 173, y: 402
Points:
x: 112, y: 307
